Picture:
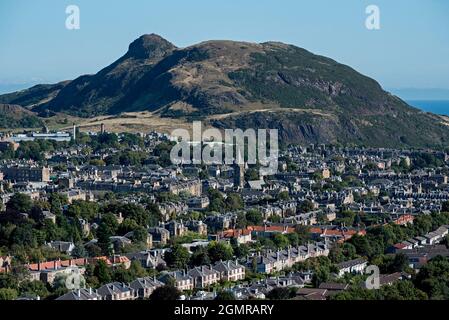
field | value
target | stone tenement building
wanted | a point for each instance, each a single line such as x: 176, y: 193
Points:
x: 26, y: 174
x: 193, y: 188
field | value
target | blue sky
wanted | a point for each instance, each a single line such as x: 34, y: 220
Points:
x: 410, y: 50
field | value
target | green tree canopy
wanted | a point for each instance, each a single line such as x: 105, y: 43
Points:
x: 8, y: 294
x: 19, y: 203
x: 220, y: 251
x: 254, y: 217
x: 178, y: 257
x: 165, y: 293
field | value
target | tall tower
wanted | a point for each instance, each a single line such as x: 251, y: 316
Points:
x: 102, y: 130
x: 239, y: 170
x: 74, y: 132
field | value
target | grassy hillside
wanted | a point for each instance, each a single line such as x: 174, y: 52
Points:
x: 309, y: 98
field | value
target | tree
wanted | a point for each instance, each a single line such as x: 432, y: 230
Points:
x: 102, y: 272
x: 321, y: 267
x: 220, y: 251
x: 317, y: 176
x: 241, y: 250
x: 57, y: 201
x: 274, y: 218
x: 200, y: 257
x: 346, y: 218
x: 280, y: 293
x: 131, y: 140
x: 252, y: 174
x: 25, y: 235
x: 129, y: 211
x: 9, y: 280
x: 83, y: 209
x: 137, y: 270
x: 166, y: 292
x: 445, y: 206
x: 177, y: 257
x: 422, y: 224
x: 104, y: 235
x: 320, y: 275
x: 283, y: 196
x: 266, y: 243
x: 362, y: 245
x: 167, y: 197
x: 433, y: 278
x: 203, y: 175
x: 140, y: 234
x: 8, y: 294
x: 241, y: 222
x: 303, y: 233
x: 79, y: 251
x: 281, y: 241
x: 234, y: 202
x: 254, y: 217
x: 400, y: 290
x: 306, y: 206
x: 105, y: 140
x: 35, y: 288
x: 321, y: 218
x: 19, y: 203
x: 445, y: 241
x: 216, y: 200
x: 400, y: 262
x: 122, y: 275
x: 36, y: 213
x: 128, y: 158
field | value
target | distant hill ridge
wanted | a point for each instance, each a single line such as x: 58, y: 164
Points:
x: 309, y: 98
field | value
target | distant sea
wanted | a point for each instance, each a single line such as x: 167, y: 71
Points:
x: 434, y: 106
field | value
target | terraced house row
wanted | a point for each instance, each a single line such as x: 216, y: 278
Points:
x: 272, y: 261
x: 205, y: 276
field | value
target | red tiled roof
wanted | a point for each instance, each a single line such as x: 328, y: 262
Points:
x: 49, y: 265
x: 235, y: 233
x: 407, y: 218
x: 120, y: 259
x: 315, y: 230
x: 271, y: 229
x: 344, y: 234
x: 103, y: 258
